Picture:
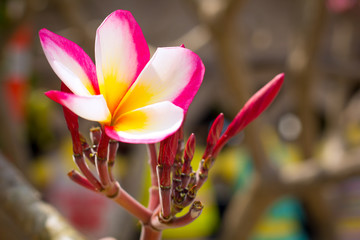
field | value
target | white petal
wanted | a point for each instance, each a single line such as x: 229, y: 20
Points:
x: 150, y: 124
x: 72, y: 65
x: 121, y: 52
x: 172, y: 74
x: 92, y: 108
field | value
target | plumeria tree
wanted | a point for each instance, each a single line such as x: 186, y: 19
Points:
x: 140, y: 100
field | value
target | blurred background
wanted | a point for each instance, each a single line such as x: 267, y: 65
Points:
x: 294, y: 174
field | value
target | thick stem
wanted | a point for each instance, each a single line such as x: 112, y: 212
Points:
x: 149, y: 233
x: 154, y: 199
x: 112, y: 156
x: 164, y: 178
x: 102, y: 160
x: 132, y: 206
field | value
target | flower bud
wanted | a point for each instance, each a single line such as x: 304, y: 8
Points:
x: 168, y: 149
x: 255, y: 106
x: 189, y: 154
x: 251, y: 110
x: 214, y: 135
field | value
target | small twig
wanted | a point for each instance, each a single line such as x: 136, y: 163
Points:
x: 149, y: 233
x: 82, y: 181
x: 80, y: 162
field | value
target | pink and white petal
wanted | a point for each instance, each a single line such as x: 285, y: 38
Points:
x: 72, y: 65
x: 172, y: 74
x: 121, y: 52
x: 149, y: 124
x: 92, y: 108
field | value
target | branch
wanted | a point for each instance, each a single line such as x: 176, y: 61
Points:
x: 246, y: 208
x: 21, y: 202
x: 311, y: 174
x: 301, y: 64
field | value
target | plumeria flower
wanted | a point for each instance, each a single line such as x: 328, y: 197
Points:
x: 136, y: 99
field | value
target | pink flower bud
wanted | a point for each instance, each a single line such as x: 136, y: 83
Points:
x: 168, y: 149
x: 214, y: 135
x: 189, y: 153
x: 251, y: 110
